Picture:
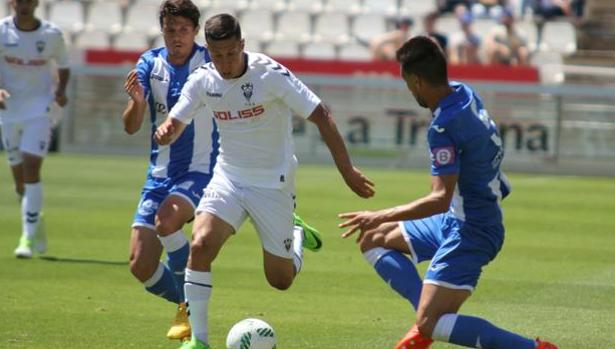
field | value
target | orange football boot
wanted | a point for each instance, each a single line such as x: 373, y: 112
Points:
x: 415, y: 340
x: 544, y: 345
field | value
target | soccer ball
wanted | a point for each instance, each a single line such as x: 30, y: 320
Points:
x: 251, y: 334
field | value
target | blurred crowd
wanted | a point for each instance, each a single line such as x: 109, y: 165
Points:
x: 503, y: 44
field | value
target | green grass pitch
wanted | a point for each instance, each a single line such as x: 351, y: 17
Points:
x: 554, y: 278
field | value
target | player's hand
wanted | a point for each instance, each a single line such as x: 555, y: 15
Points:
x: 133, y: 87
x: 359, y: 183
x: 361, y: 221
x: 164, y: 133
x: 4, y: 95
x: 61, y: 98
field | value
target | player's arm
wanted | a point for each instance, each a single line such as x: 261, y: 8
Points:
x: 437, y: 201
x: 60, y: 55
x: 359, y: 183
x: 169, y: 131
x: 183, y: 112
x: 4, y: 95
x: 135, y: 108
x: 60, y: 94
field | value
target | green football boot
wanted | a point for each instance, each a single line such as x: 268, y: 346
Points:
x: 311, y: 237
x: 25, y: 248
x: 194, y: 343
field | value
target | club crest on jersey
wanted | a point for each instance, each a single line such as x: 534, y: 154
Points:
x: 248, y: 90
x: 40, y: 46
x: 148, y: 207
x: 443, y: 156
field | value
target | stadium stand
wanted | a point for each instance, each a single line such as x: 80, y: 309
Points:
x: 141, y: 17
x: 93, y: 39
x: 320, y: 50
x: 106, y: 15
x: 594, y: 60
x: 68, y: 15
x: 283, y: 49
x: 318, y: 28
x: 294, y: 26
x: 258, y: 25
x: 309, y: 6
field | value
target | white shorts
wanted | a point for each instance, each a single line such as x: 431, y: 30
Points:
x: 271, y: 210
x: 31, y: 136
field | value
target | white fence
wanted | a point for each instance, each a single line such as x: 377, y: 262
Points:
x: 564, y: 128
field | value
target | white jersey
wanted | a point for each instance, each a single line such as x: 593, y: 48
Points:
x: 254, y: 118
x: 25, y: 68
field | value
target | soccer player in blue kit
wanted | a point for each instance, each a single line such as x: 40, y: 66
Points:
x: 458, y: 226
x: 177, y: 174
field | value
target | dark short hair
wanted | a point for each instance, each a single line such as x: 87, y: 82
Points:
x: 221, y: 27
x: 182, y: 8
x: 423, y: 57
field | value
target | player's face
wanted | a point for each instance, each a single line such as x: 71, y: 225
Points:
x: 24, y: 8
x: 413, y: 83
x: 227, y: 56
x: 179, y: 34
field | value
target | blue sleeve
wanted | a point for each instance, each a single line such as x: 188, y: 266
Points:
x: 144, y: 69
x: 443, y: 150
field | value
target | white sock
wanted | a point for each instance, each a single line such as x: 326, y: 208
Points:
x: 198, y: 291
x: 373, y: 255
x: 31, y: 206
x: 444, y: 328
x: 298, y: 248
x: 155, y: 277
x: 173, y: 242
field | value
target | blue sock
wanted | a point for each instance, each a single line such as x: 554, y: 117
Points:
x: 177, y: 261
x: 163, y: 284
x: 474, y: 332
x: 397, y: 271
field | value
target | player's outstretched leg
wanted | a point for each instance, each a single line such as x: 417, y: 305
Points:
x: 194, y: 343
x: 474, y: 332
x: 414, y: 340
x: 311, y: 237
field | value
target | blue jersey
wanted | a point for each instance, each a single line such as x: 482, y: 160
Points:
x: 463, y: 140
x: 196, y: 149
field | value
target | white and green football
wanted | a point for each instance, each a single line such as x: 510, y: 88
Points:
x: 251, y: 334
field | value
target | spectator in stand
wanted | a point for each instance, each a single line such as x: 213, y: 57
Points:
x: 384, y: 47
x: 506, y: 44
x: 449, y: 6
x: 465, y: 45
x: 547, y: 10
x: 429, y: 24
x: 488, y: 8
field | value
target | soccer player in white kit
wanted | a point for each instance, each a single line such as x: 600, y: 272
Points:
x: 28, y: 46
x: 251, y: 97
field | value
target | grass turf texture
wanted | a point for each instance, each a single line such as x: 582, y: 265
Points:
x: 554, y: 278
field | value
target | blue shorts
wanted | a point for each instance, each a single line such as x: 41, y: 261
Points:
x: 457, y: 251
x: 188, y: 186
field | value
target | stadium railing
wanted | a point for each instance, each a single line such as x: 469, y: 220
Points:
x: 545, y: 128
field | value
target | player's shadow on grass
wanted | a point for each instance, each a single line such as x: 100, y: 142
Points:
x: 82, y: 261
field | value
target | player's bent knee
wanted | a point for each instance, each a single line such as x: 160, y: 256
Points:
x: 371, y: 241
x: 166, y: 227
x: 280, y: 282
x: 201, y: 250
x: 141, y: 268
